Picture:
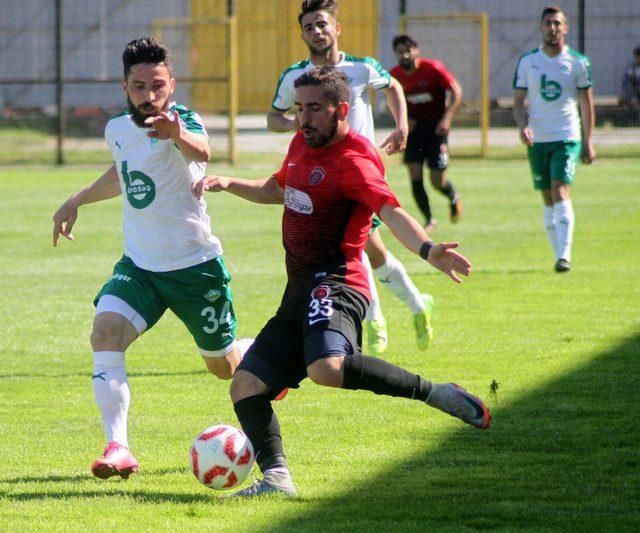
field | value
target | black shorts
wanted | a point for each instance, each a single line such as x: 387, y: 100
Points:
x: 315, y: 320
x: 423, y: 144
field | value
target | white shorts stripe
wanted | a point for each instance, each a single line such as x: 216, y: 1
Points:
x: 113, y: 304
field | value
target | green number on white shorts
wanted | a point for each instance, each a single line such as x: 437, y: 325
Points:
x: 213, y: 321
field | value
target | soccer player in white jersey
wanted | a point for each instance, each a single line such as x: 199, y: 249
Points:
x: 171, y: 259
x: 557, y: 81
x: 320, y: 31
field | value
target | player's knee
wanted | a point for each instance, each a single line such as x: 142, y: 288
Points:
x: 245, y: 384
x: 107, y: 334
x: 327, y: 372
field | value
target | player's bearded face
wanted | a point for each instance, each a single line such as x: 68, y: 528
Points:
x: 149, y: 88
x: 406, y: 56
x: 320, y: 135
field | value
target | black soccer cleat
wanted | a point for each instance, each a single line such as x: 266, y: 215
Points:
x: 562, y: 265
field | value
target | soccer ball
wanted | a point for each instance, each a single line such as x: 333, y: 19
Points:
x: 221, y: 457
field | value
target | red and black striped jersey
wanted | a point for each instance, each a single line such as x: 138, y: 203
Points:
x: 330, y: 195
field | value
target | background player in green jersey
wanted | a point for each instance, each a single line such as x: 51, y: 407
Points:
x: 320, y: 32
x: 171, y: 259
x: 556, y: 80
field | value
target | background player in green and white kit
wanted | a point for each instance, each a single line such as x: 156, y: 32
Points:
x: 556, y: 80
x: 320, y: 31
x: 171, y: 259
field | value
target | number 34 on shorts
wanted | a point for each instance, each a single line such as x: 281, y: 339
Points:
x: 320, y: 305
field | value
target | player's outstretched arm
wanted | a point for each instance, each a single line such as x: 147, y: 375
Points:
x: 193, y: 146
x: 409, y: 232
x: 264, y: 191
x: 520, y: 116
x: 279, y: 122
x: 105, y: 187
x: 397, y: 141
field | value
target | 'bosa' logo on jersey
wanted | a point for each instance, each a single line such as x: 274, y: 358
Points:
x: 298, y: 201
x: 549, y: 90
x: 316, y: 176
x: 139, y: 188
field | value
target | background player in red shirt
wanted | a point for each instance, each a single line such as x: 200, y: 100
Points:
x: 427, y: 86
x: 331, y: 183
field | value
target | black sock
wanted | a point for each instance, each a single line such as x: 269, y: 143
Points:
x: 260, y: 424
x: 421, y: 198
x: 449, y: 191
x: 362, y: 372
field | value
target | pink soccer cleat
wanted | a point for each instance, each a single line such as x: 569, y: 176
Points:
x: 115, y: 461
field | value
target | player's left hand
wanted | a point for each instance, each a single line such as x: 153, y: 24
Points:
x: 443, y: 126
x: 210, y: 183
x: 588, y: 153
x: 396, y: 142
x: 442, y: 257
x: 165, y: 126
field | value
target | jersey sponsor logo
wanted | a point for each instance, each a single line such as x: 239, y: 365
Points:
x: 298, y: 201
x: 139, y: 188
x: 118, y: 145
x: 419, y: 98
x: 316, y: 176
x: 120, y: 277
x: 549, y: 90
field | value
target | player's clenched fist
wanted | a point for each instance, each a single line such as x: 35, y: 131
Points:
x: 210, y: 183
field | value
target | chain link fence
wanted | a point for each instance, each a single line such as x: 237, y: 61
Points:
x: 92, y: 36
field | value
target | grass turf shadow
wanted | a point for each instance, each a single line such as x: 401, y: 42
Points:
x: 563, y: 456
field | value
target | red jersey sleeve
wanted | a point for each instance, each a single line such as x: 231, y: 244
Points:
x: 444, y: 77
x: 363, y: 181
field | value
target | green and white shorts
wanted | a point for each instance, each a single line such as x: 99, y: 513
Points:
x: 553, y: 161
x: 200, y: 296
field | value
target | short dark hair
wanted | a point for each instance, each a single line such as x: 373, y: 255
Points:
x: 636, y: 51
x: 145, y: 50
x: 333, y: 82
x: 407, y: 40
x: 552, y: 10
x: 311, y: 6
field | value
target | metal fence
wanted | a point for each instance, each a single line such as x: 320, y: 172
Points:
x: 82, y: 75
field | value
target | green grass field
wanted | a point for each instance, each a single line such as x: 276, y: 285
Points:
x: 562, y: 452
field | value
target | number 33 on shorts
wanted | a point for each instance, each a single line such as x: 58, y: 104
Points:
x: 320, y: 306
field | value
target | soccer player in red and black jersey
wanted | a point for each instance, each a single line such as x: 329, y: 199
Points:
x: 331, y: 183
x: 427, y: 86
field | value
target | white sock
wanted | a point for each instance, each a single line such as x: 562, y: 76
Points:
x: 549, y: 221
x: 111, y: 392
x: 374, y: 311
x: 564, y: 228
x: 395, y: 278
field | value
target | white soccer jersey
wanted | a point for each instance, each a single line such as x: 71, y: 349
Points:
x: 363, y: 73
x: 165, y: 226
x: 552, y: 85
